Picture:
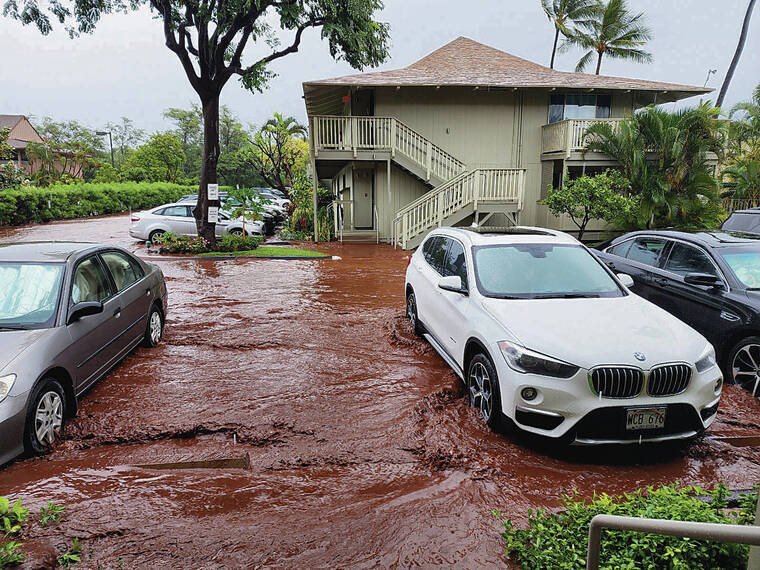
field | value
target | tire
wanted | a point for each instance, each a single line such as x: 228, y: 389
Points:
x: 483, y: 390
x: 45, y: 417
x: 154, y: 329
x: 743, y: 364
x: 236, y: 232
x: 411, y: 313
x: 154, y: 234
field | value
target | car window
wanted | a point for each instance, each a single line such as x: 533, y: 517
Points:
x: 646, y: 250
x: 437, y: 254
x: 685, y: 259
x: 90, y: 282
x: 159, y: 212
x: 455, y: 262
x: 742, y: 223
x: 180, y: 211
x: 124, y: 271
x: 621, y: 249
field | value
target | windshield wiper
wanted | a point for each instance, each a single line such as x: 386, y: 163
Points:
x: 13, y: 328
x: 567, y: 296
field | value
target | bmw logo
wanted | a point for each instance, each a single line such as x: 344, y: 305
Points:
x: 640, y: 356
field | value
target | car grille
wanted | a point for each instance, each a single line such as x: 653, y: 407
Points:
x: 669, y: 380
x: 617, y: 382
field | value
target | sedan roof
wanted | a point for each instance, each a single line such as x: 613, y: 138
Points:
x: 50, y: 251
x: 708, y: 238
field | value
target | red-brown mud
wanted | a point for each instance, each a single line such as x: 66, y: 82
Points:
x: 362, y: 450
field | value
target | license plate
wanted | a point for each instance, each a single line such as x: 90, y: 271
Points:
x: 645, y: 418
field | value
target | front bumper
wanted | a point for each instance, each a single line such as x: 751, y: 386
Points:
x: 12, y: 419
x: 568, y: 409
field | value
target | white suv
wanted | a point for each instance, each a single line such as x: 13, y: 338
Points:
x: 543, y: 333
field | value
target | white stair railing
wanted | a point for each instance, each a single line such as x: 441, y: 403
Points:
x: 502, y: 185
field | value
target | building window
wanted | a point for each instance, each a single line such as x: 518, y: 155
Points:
x: 558, y: 169
x: 575, y: 106
x: 574, y: 172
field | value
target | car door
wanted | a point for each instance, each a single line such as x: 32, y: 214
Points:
x: 700, y: 307
x: 639, y: 258
x: 428, y: 300
x: 133, y: 294
x: 179, y: 220
x: 92, y: 345
x: 454, y: 306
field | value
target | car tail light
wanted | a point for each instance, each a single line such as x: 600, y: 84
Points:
x: 135, y: 218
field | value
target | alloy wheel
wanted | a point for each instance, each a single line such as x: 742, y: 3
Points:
x: 481, y: 391
x: 411, y: 310
x: 48, y: 418
x: 155, y: 327
x: 746, y: 367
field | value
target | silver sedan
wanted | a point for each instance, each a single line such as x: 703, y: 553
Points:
x: 178, y: 218
x: 69, y: 312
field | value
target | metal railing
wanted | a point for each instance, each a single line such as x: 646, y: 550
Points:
x: 731, y: 204
x: 348, y: 133
x: 698, y: 530
x: 504, y: 185
x: 568, y: 135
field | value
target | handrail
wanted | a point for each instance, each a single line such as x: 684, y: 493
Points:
x: 699, y: 530
x: 569, y: 135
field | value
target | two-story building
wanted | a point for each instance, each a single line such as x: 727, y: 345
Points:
x: 467, y: 134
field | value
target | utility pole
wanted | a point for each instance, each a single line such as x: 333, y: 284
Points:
x: 110, y: 142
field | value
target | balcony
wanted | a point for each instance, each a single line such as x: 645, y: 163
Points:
x: 567, y: 136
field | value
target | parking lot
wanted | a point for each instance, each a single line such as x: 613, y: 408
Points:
x: 333, y: 435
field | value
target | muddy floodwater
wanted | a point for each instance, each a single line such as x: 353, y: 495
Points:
x: 304, y: 425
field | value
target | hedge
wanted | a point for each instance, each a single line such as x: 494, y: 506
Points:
x: 63, y: 202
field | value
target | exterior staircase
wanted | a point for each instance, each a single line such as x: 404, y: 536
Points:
x: 457, y: 191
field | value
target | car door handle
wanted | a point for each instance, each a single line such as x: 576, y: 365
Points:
x: 147, y: 291
x: 117, y: 312
x: 661, y: 281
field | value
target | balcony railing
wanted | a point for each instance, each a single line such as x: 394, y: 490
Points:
x: 568, y: 136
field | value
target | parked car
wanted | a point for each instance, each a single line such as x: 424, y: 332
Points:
x: 543, y: 333
x: 69, y: 312
x: 710, y: 280
x: 178, y: 218
x: 747, y: 221
x: 271, y: 216
x: 275, y: 197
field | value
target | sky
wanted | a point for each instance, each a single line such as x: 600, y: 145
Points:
x: 124, y: 68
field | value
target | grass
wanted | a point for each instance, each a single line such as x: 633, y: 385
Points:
x: 268, y: 251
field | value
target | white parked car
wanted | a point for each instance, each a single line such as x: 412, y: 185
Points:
x: 543, y: 333
x: 178, y: 218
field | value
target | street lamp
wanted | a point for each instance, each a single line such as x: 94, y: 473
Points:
x: 110, y: 141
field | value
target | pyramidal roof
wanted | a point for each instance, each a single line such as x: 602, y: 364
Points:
x: 465, y: 62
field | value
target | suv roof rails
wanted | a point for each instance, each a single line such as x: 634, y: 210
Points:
x: 519, y: 230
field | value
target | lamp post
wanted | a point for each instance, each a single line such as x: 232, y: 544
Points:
x: 110, y: 141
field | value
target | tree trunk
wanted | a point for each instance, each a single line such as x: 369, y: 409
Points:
x: 737, y: 54
x: 209, y: 162
x: 599, y: 62
x: 554, y: 48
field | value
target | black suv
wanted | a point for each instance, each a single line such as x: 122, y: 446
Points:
x: 710, y: 280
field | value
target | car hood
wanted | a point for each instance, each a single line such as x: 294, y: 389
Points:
x: 593, y: 332
x: 13, y: 343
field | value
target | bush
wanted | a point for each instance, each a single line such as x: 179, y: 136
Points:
x: 173, y: 243
x: 67, y: 201
x: 560, y: 541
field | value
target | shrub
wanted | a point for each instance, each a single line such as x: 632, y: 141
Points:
x: 560, y: 540
x: 63, y: 202
x: 173, y: 243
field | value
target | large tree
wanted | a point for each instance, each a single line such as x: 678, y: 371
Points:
x: 563, y: 14
x: 210, y: 37
x: 737, y: 54
x: 612, y: 30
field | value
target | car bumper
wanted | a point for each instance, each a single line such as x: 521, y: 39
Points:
x: 12, y: 418
x: 137, y: 234
x: 567, y: 408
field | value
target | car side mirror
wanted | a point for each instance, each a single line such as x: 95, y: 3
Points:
x: 84, y: 309
x: 452, y: 283
x: 702, y: 279
x: 625, y: 279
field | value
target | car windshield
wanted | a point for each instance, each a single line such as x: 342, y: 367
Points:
x: 29, y: 294
x: 541, y: 271
x: 745, y: 265
x: 742, y: 223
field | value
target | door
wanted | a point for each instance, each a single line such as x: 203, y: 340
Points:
x: 639, y: 258
x: 180, y: 220
x: 133, y: 295
x: 364, y: 199
x: 453, y: 306
x: 363, y: 103
x: 92, y: 347
x: 429, y: 302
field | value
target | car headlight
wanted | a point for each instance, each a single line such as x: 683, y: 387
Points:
x: 527, y: 361
x: 6, y: 383
x: 707, y: 361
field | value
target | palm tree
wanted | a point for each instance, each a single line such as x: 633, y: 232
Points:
x: 612, y: 30
x: 562, y: 12
x: 287, y: 125
x: 665, y: 156
x: 737, y: 54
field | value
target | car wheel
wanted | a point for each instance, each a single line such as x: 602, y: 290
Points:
x: 236, y: 232
x: 743, y: 365
x: 44, y: 417
x: 411, y: 313
x: 154, y: 234
x: 483, y: 390
x: 154, y: 329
